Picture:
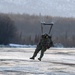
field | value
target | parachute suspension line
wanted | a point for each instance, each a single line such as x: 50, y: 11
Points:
x: 50, y: 28
x: 45, y: 24
x: 41, y: 28
x: 41, y: 21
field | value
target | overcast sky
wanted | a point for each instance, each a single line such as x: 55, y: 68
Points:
x: 65, y: 8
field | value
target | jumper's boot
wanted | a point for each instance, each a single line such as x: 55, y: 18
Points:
x: 32, y: 58
x: 39, y: 59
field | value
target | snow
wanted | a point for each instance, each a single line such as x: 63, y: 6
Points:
x: 57, y: 45
x: 56, y: 61
x: 23, y: 46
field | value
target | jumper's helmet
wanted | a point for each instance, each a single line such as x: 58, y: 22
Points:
x: 45, y: 36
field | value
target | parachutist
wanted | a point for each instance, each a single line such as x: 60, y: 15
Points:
x: 44, y: 44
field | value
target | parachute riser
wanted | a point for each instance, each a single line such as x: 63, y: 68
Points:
x: 51, y: 25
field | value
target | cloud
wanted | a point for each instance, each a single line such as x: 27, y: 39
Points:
x: 45, y: 7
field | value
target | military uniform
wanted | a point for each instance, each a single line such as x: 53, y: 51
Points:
x: 43, y: 45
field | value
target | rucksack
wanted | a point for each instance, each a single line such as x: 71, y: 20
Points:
x: 49, y: 42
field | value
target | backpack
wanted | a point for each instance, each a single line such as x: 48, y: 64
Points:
x: 49, y: 42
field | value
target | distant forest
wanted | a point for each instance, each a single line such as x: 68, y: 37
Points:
x: 28, y: 29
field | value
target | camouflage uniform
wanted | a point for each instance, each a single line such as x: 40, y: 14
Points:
x: 43, y: 45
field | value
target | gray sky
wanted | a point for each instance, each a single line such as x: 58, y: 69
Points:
x: 65, y: 8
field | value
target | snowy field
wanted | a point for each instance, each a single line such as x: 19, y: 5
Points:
x: 56, y: 61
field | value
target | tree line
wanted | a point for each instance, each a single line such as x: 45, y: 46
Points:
x: 26, y: 29
x: 7, y: 29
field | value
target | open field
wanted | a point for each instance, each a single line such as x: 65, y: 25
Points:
x: 56, y: 61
